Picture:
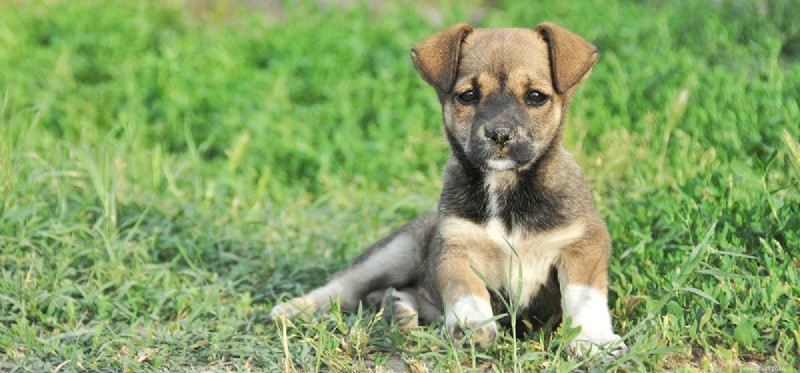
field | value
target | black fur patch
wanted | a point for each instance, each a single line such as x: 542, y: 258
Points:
x: 529, y: 205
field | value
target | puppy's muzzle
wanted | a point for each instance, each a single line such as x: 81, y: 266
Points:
x: 499, y: 136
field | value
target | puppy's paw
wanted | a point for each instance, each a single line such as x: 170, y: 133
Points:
x: 292, y: 308
x: 611, y: 346
x: 400, y: 308
x: 473, y: 314
x: 482, y: 336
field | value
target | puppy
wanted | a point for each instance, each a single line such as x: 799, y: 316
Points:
x: 515, y: 217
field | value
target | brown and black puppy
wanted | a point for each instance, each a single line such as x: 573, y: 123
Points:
x: 515, y: 216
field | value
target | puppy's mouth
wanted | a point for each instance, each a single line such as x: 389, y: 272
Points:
x: 510, y: 158
x: 503, y: 164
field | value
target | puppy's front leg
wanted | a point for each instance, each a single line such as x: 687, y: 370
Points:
x: 466, y: 298
x: 584, y: 283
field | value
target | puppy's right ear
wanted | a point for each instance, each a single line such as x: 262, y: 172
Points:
x: 436, y: 58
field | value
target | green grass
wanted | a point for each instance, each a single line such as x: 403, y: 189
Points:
x: 169, y: 171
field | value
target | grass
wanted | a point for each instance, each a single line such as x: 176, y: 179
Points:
x: 169, y: 171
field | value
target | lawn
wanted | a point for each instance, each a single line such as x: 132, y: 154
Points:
x: 170, y: 170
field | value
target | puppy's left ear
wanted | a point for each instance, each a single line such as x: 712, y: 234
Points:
x: 571, y: 57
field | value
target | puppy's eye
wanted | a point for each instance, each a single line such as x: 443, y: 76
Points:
x: 535, y: 98
x: 467, y: 97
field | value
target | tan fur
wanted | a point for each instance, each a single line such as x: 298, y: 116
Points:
x: 572, y: 57
x: 436, y: 59
x: 586, y: 261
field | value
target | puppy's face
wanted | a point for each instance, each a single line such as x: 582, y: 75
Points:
x: 503, y: 91
x: 503, y: 111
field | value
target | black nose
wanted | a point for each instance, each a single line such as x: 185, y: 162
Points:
x: 499, y: 135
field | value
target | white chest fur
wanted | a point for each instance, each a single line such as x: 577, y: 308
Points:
x: 514, y: 261
x: 526, y: 259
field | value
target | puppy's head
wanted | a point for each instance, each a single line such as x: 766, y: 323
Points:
x: 504, y: 92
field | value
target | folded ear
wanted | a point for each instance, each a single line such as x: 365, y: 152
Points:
x: 571, y: 57
x: 436, y: 59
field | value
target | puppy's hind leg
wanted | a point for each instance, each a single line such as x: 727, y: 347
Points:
x: 391, y: 262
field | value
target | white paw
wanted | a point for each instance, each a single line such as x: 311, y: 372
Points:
x: 588, y: 308
x: 610, y: 345
x: 472, y: 313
